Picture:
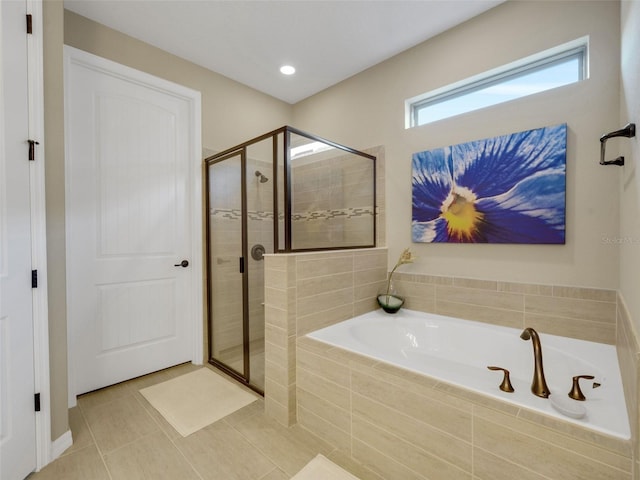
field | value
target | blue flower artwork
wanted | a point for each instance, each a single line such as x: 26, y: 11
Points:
x: 507, y: 189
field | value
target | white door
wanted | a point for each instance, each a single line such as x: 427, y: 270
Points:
x: 17, y: 414
x: 131, y: 220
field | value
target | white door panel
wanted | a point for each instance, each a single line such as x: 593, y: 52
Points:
x: 130, y: 220
x: 17, y: 415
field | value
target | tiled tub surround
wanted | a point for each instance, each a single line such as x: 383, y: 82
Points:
x: 407, y: 426
x: 458, y: 352
x: 305, y: 292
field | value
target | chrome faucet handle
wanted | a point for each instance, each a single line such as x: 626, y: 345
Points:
x: 575, y: 392
x: 505, y: 386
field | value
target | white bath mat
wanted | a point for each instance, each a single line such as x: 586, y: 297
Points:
x: 321, y: 468
x: 197, y: 399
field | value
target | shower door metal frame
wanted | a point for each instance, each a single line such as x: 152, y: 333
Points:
x: 241, y: 150
x: 244, y: 378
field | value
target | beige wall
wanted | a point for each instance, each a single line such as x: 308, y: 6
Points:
x: 56, y: 269
x: 630, y: 178
x: 368, y: 109
x: 231, y: 113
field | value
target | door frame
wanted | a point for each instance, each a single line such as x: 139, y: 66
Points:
x: 194, y: 324
x: 40, y: 307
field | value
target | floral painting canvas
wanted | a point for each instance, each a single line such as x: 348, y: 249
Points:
x: 506, y: 189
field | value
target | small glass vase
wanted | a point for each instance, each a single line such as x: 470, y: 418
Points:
x: 389, y: 300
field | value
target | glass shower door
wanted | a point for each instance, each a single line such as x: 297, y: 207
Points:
x: 226, y: 281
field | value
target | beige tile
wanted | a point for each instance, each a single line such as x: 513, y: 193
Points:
x: 412, y: 457
x: 276, y: 298
x: 277, y: 373
x: 105, y: 395
x: 436, y: 442
x: 277, y: 392
x: 433, y: 279
x: 323, y: 388
x: 275, y: 335
x: 439, y: 415
x: 474, y: 296
x: 324, y: 428
x: 276, y: 317
x: 604, y: 448
x: 494, y: 316
x: 585, y: 293
x: 527, y: 288
x: 475, y: 283
x: 278, y: 412
x: 344, y: 459
x: 313, y: 345
x: 79, y: 431
x: 276, y: 279
x: 559, y: 464
x: 382, y: 464
x: 289, y: 448
x: 119, y: 422
x: 372, y: 275
x: 571, y: 308
x: 367, y: 261
x: 153, y: 378
x: 490, y: 467
x: 324, y: 316
x: 477, y: 398
x: 325, y: 301
x: 153, y: 456
x: 81, y: 465
x: 220, y: 452
x: 360, y: 307
x: 338, y: 417
x: 181, y: 369
x: 322, y: 265
x: 328, y: 283
x: 323, y: 366
x: 368, y: 290
x: 276, y: 474
x: 157, y: 417
x: 601, y: 332
x: 246, y: 412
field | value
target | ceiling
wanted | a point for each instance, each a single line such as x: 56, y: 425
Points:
x: 327, y: 41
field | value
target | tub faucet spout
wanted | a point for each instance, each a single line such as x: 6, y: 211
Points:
x: 539, y: 384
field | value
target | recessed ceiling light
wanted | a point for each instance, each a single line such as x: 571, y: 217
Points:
x: 287, y: 70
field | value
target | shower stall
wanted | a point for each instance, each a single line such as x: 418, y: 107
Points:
x: 285, y: 191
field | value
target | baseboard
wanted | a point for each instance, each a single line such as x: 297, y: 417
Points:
x: 59, y: 445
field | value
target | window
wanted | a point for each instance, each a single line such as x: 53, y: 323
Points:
x: 552, y: 68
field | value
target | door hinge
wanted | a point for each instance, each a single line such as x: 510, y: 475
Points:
x: 34, y: 278
x: 241, y: 264
x: 32, y: 149
x: 36, y: 401
x: 29, y: 23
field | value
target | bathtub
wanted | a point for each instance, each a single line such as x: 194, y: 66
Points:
x: 458, y: 352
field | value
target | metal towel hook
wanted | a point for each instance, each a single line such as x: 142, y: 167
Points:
x: 628, y: 131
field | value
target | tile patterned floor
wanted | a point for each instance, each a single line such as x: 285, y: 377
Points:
x: 118, y: 435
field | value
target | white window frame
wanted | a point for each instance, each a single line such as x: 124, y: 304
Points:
x: 577, y: 48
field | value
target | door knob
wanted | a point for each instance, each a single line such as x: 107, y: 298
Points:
x: 183, y: 264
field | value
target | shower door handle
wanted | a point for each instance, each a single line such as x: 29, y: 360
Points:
x: 183, y: 264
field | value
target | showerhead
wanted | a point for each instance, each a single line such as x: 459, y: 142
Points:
x: 263, y: 179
